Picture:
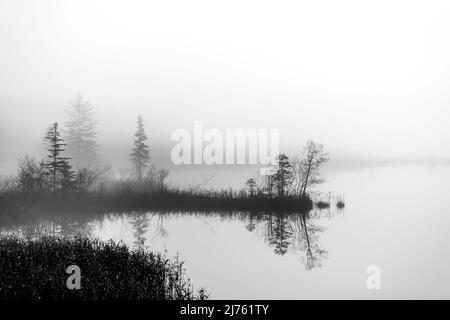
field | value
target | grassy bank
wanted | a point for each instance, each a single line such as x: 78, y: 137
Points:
x: 37, y: 270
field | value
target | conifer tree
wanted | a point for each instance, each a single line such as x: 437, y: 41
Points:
x: 57, y: 162
x: 80, y: 133
x: 140, y: 154
x: 284, y: 174
x: 251, y: 185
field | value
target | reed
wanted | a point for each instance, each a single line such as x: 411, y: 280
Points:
x: 36, y: 270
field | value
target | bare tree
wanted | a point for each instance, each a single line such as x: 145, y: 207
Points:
x: 8, y: 184
x: 307, y: 168
x: 306, y: 239
x: 32, y: 175
x: 87, y: 177
x: 161, y: 175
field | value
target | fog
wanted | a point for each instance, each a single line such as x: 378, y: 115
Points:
x: 368, y: 80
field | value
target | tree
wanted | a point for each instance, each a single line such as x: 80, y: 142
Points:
x: 140, y: 154
x: 67, y: 176
x: 308, y: 168
x: 161, y: 174
x: 283, y: 175
x: 251, y: 185
x: 81, y: 132
x: 270, y: 185
x: 86, y: 177
x: 57, y: 164
x: 32, y: 175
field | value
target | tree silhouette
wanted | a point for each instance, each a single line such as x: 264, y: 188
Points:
x: 81, y: 133
x: 281, y: 234
x: 160, y: 230
x: 67, y: 176
x: 283, y: 175
x: 308, y: 168
x: 307, y: 240
x: 251, y: 185
x: 251, y: 225
x: 32, y: 176
x: 140, y: 154
x: 161, y: 175
x: 140, y: 223
x: 57, y: 164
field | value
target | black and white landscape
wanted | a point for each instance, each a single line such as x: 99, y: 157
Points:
x: 224, y: 150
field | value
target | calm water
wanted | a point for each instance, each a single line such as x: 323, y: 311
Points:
x: 396, y: 218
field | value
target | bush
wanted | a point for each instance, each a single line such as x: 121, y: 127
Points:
x: 340, y: 204
x: 322, y: 204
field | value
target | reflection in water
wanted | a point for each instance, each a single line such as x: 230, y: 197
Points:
x: 33, y: 227
x: 307, y: 239
x: 298, y: 233
x: 140, y: 223
x: 160, y: 230
x: 279, y: 233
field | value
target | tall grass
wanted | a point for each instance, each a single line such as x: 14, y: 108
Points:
x: 36, y: 270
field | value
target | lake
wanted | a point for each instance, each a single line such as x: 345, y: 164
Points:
x: 396, y: 218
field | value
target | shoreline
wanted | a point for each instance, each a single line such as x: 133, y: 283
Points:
x: 133, y: 201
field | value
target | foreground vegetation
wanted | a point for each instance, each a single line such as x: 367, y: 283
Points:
x: 37, y: 270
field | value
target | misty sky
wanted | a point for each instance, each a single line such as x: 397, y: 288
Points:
x: 365, y: 78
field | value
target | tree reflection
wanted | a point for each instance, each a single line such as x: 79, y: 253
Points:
x: 297, y: 232
x: 140, y: 223
x: 160, y: 230
x: 280, y: 234
x: 306, y: 239
x: 251, y: 224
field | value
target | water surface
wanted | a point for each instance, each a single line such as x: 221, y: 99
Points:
x: 396, y: 218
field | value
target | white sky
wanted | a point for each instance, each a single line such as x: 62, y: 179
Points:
x: 366, y: 78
